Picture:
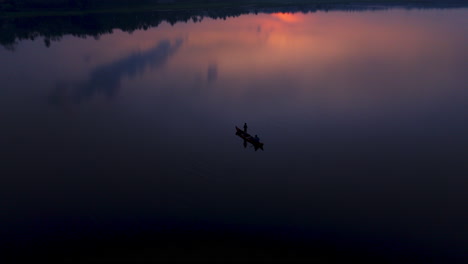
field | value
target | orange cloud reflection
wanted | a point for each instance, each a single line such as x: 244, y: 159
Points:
x: 336, y: 59
x: 287, y: 17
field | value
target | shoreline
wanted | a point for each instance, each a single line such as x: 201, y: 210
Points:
x: 228, y: 5
x: 53, y: 26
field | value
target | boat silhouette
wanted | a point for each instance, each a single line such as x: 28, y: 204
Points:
x: 249, y: 138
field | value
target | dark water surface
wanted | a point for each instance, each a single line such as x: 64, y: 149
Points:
x: 127, y: 140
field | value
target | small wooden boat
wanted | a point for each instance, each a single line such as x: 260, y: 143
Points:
x: 247, y: 137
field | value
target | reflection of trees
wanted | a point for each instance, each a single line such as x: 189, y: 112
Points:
x: 15, y: 29
x: 106, y: 79
x: 52, y: 28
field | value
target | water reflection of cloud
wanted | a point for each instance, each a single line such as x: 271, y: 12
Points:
x: 106, y: 79
x: 212, y: 73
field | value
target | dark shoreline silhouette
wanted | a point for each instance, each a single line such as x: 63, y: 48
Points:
x: 14, y: 29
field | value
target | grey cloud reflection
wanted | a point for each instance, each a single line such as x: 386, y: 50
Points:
x: 212, y: 73
x: 106, y: 79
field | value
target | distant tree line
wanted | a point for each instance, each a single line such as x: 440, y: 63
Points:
x: 53, y: 28
x: 18, y: 5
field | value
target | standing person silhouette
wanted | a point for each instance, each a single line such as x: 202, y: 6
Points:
x: 245, y: 127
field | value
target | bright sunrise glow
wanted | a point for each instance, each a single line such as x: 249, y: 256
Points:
x: 287, y: 17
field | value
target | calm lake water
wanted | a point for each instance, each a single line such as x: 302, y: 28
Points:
x: 363, y: 116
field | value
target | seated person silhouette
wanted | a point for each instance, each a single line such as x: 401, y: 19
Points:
x: 256, y: 138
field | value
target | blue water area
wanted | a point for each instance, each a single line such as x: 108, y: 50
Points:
x: 120, y: 144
